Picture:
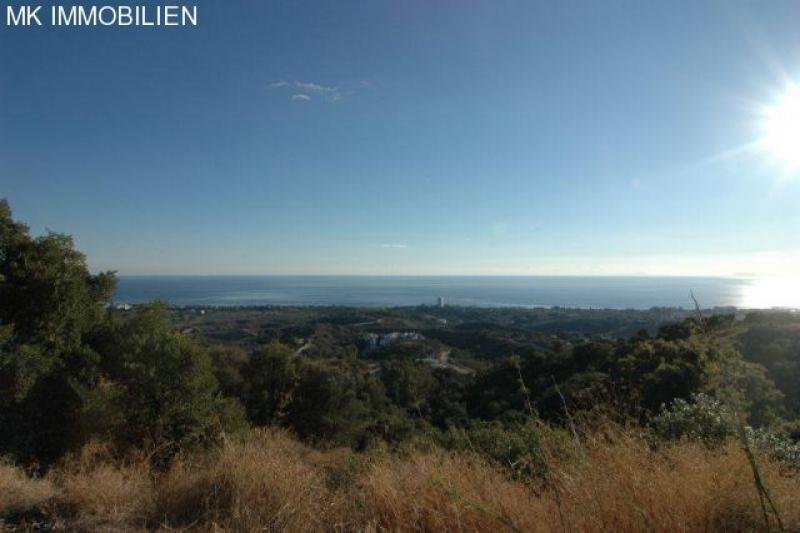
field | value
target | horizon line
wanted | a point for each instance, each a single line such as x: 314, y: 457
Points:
x: 599, y: 275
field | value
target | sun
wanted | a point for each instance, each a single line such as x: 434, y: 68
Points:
x: 768, y: 293
x: 782, y: 129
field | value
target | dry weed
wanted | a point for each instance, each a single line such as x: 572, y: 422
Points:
x: 23, y: 498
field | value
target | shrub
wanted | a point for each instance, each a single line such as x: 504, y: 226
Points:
x: 703, y: 418
x: 708, y: 420
x: 517, y: 448
x: 778, y: 447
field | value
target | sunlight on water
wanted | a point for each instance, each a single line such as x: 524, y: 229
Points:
x: 767, y: 293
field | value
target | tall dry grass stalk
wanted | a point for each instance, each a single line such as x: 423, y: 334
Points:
x: 272, y: 482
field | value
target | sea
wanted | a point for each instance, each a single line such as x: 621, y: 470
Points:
x: 608, y: 292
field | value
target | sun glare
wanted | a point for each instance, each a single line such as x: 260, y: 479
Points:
x: 768, y: 293
x: 782, y: 129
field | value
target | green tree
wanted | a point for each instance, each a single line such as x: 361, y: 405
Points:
x: 49, y: 304
x: 653, y: 373
x: 407, y: 384
x: 168, y: 397
x: 329, y: 406
x: 272, y: 376
x: 230, y: 368
x: 745, y: 387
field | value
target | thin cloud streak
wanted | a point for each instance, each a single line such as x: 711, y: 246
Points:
x: 306, y: 89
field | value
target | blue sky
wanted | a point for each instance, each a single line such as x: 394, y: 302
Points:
x: 413, y: 137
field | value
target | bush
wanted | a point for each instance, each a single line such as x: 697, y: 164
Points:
x: 517, y: 448
x: 703, y: 418
x: 778, y: 447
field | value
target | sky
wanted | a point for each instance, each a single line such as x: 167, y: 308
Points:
x: 411, y: 137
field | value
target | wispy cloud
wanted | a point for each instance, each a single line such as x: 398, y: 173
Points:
x: 394, y: 245
x: 304, y: 90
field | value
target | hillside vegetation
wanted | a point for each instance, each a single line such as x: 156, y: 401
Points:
x: 615, y: 481
x: 480, y: 419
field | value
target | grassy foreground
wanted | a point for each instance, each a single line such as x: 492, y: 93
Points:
x: 617, y: 482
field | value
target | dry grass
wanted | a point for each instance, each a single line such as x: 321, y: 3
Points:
x: 625, y: 486
x: 272, y: 482
x: 22, y: 497
x: 444, y: 492
x: 96, y: 491
x: 265, y: 483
